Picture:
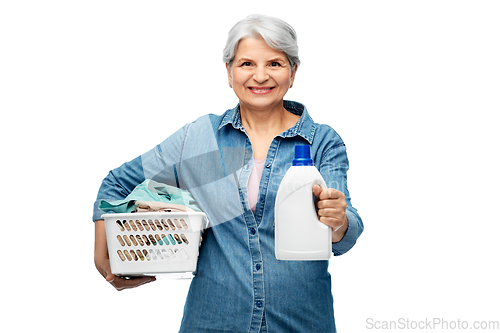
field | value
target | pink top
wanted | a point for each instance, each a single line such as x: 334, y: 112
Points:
x: 254, y: 182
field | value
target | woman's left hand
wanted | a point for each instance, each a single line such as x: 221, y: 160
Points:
x: 331, y: 206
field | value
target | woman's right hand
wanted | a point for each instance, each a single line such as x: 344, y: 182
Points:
x: 101, y: 260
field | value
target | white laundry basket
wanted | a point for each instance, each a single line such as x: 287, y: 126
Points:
x: 154, y: 243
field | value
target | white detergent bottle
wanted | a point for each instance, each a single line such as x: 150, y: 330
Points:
x: 298, y: 233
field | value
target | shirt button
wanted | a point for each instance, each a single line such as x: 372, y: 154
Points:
x: 253, y: 231
x: 257, y: 267
x: 268, y: 165
x: 259, y: 304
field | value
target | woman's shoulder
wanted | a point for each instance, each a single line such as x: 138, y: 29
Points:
x: 207, y: 124
x: 327, y: 130
x: 326, y: 137
x: 216, y: 118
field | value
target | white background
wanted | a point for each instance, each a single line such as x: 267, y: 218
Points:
x: 411, y: 86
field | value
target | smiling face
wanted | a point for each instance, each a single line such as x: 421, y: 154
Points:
x: 260, y: 75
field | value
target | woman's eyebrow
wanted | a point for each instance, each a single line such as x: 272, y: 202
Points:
x: 244, y: 59
x: 276, y: 59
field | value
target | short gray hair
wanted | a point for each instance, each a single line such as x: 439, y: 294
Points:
x: 277, y: 33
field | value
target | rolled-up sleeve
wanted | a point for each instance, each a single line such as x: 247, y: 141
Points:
x: 118, y: 184
x: 354, y: 230
x: 158, y: 164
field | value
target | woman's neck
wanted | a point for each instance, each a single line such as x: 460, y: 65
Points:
x: 265, y: 122
x: 262, y: 126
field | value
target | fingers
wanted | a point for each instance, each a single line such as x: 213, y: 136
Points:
x: 110, y: 277
x: 329, y: 198
x: 332, y: 214
x: 334, y: 218
x: 333, y: 222
x: 121, y: 283
x: 331, y: 206
x: 338, y: 203
x: 316, y: 190
x: 331, y: 194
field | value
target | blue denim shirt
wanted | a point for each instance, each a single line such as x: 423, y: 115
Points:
x: 239, y: 285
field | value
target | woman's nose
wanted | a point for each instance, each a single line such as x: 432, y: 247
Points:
x: 260, y: 75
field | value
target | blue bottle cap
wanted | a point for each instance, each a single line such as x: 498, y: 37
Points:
x: 302, y: 155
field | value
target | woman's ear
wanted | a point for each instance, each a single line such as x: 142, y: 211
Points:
x: 292, y: 75
x: 229, y: 75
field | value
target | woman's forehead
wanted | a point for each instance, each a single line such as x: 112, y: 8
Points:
x: 252, y: 48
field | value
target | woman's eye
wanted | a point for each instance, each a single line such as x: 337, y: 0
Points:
x: 275, y: 64
x: 246, y: 63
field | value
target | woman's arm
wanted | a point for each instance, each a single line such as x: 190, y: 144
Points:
x: 101, y: 260
x: 334, y: 207
x: 157, y: 164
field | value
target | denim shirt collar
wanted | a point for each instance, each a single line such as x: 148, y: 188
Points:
x: 305, y: 127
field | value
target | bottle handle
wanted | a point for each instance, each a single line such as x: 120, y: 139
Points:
x: 322, y: 184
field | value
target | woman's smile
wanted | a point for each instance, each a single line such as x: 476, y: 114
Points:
x: 260, y: 90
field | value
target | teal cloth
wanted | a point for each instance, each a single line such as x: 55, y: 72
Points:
x: 150, y: 190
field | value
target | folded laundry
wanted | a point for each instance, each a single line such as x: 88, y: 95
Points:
x: 154, y: 206
x: 151, y: 191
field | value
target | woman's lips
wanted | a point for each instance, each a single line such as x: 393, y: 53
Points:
x: 261, y: 90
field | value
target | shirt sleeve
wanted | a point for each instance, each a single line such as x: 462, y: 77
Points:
x: 158, y: 164
x: 333, y: 167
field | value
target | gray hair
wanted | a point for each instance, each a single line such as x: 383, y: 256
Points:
x: 278, y: 34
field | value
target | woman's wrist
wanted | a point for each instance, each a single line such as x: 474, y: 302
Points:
x: 340, y: 233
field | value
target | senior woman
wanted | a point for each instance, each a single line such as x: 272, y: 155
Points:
x: 233, y: 164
